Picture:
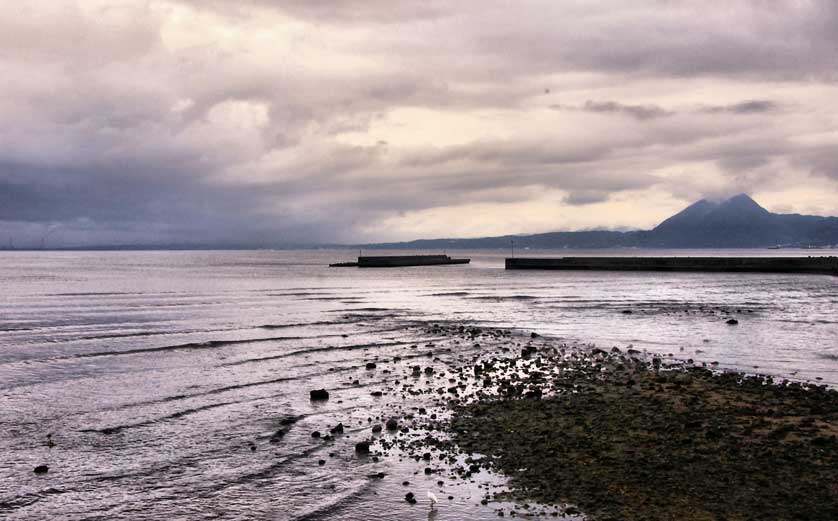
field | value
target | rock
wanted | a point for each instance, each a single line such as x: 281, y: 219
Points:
x: 41, y: 469
x: 627, y: 312
x: 337, y: 429
x: 321, y: 462
x: 370, y: 365
x: 315, y: 434
x: 362, y: 447
x: 376, y: 428
x: 732, y: 322
x: 410, y: 498
x: 278, y: 435
x: 392, y: 424
x: 534, y: 335
x: 429, y: 370
x: 319, y: 394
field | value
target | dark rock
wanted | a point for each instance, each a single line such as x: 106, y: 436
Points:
x: 376, y: 428
x: 337, y: 429
x: 41, y: 469
x: 315, y: 434
x: 278, y: 435
x: 319, y: 394
x: 362, y: 447
x: 732, y: 322
x: 392, y: 424
x: 370, y: 365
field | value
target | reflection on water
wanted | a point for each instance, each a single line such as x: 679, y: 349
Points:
x: 164, y: 378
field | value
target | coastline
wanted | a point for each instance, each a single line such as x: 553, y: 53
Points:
x: 619, y: 435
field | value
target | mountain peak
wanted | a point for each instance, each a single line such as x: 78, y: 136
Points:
x: 740, y: 206
x: 737, y: 210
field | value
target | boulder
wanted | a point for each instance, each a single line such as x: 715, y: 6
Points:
x: 319, y: 394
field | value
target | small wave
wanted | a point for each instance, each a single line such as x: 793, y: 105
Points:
x: 500, y: 298
x: 328, y: 508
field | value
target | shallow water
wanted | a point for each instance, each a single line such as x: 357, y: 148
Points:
x: 155, y: 371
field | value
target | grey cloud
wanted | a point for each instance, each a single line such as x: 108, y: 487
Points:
x: 640, y: 112
x: 744, y: 107
x: 582, y: 198
x: 341, y: 11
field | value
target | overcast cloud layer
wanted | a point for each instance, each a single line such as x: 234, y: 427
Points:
x: 268, y: 122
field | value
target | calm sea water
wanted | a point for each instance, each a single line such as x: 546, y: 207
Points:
x: 162, y: 375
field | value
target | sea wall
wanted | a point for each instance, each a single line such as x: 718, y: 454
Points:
x: 822, y: 265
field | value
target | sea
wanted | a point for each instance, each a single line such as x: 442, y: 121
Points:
x: 152, y: 384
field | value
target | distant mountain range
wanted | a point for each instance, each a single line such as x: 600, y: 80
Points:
x: 738, y: 222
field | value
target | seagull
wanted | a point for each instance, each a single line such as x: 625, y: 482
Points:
x: 433, y: 499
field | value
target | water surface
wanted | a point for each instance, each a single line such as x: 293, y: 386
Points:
x: 157, y: 372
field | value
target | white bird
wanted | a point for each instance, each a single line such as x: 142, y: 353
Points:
x: 433, y: 499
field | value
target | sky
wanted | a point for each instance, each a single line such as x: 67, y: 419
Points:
x: 279, y: 122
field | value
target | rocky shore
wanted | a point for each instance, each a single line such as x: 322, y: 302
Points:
x: 618, y: 435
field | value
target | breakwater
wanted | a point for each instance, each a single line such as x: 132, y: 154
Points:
x: 817, y: 265
x: 400, y: 261
x: 395, y: 261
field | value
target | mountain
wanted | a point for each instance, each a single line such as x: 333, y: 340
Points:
x: 738, y: 222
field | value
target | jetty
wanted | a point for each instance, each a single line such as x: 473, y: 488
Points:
x: 400, y: 261
x: 815, y: 265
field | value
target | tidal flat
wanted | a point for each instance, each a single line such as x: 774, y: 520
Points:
x: 621, y: 435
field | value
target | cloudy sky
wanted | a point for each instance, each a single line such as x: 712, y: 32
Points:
x: 265, y: 122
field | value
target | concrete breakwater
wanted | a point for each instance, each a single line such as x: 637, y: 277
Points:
x: 400, y: 261
x: 817, y: 265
